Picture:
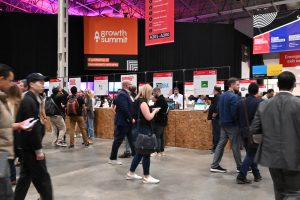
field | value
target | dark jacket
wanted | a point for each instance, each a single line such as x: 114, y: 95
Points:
x: 123, y: 104
x: 30, y: 108
x: 278, y: 120
x: 227, y: 109
x: 252, y: 105
x: 214, y: 107
x: 161, y: 117
x: 60, y: 99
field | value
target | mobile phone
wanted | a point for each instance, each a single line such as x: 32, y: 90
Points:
x: 30, y: 124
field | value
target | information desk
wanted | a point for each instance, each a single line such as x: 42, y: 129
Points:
x: 187, y: 129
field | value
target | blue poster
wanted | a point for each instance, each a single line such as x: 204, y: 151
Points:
x: 285, y: 38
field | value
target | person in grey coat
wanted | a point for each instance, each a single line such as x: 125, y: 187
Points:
x: 278, y: 119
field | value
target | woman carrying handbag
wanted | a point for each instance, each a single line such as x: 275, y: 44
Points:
x: 145, y: 137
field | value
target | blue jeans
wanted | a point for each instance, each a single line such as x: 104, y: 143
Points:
x: 90, y: 127
x: 134, y: 136
x: 249, y: 162
x: 138, y: 157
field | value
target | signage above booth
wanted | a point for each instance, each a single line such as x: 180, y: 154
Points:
x: 159, y: 22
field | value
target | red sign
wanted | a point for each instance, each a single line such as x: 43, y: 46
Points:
x: 247, y: 81
x: 101, y: 78
x: 159, y: 22
x: 205, y: 72
x: 165, y: 74
x: 290, y: 59
x: 54, y: 80
x: 220, y: 82
x: 189, y: 83
x: 261, y: 44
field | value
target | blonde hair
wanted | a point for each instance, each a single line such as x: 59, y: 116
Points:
x: 145, y: 92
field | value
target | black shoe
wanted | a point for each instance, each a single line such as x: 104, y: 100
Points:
x: 71, y: 146
x: 125, y: 155
x: 257, y: 178
x: 240, y: 180
x: 218, y: 170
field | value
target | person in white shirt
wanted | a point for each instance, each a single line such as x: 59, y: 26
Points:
x: 177, y: 97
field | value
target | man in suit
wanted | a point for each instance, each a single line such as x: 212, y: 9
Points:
x: 245, y: 112
x: 278, y: 120
x: 123, y: 122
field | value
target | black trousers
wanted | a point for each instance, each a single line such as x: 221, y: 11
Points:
x: 35, y: 171
x: 216, y: 131
x: 286, y: 184
x: 119, y: 135
x: 160, y: 136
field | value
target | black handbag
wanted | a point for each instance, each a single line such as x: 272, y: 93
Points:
x: 146, y: 143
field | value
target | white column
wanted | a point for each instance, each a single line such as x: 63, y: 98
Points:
x: 63, y: 41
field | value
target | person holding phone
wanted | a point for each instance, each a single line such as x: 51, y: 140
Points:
x: 33, y: 165
x: 7, y: 126
x: 144, y: 126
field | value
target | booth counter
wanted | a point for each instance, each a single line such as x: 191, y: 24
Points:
x: 187, y: 129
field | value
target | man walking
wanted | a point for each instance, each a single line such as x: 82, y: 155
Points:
x: 229, y: 128
x: 74, y: 111
x: 245, y: 112
x: 123, y: 122
x: 278, y: 120
x: 33, y: 165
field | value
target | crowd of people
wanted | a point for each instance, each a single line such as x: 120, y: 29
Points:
x: 24, y: 110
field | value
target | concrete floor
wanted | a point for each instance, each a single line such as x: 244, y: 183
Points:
x: 83, y: 174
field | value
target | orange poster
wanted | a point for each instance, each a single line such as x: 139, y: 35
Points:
x: 110, y: 36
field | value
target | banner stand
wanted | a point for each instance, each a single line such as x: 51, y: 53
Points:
x: 183, y: 80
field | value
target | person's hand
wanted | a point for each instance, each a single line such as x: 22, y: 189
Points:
x: 214, y: 115
x: 133, y: 121
x: 40, y: 156
x: 20, y: 126
x: 156, y: 110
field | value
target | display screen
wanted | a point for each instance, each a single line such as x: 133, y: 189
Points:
x: 110, y: 43
x: 200, y: 106
x: 114, y: 88
x: 259, y: 70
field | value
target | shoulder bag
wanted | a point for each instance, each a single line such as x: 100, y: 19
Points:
x: 146, y: 143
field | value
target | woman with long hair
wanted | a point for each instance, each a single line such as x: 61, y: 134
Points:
x: 144, y: 127
x: 90, y: 108
x: 14, y: 97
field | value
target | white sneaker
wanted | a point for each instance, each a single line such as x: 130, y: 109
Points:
x: 115, y: 162
x: 134, y: 176
x: 153, y: 154
x: 61, y: 144
x: 159, y: 154
x: 150, y: 180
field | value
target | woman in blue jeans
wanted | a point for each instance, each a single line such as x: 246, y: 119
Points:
x: 144, y: 127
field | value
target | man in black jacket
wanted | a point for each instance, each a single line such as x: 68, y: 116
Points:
x: 59, y: 97
x: 214, y: 116
x: 160, y: 120
x: 33, y: 166
x: 245, y: 112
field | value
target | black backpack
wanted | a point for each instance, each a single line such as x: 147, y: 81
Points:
x: 51, y: 108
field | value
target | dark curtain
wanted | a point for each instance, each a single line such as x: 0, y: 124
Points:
x: 29, y: 44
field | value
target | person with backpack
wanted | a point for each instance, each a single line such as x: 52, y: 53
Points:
x: 74, y: 109
x: 54, y: 109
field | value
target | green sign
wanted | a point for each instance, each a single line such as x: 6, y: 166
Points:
x: 204, y: 84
